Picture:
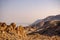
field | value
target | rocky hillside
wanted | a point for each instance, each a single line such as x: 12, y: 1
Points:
x: 49, y: 28
x: 13, y: 32
x: 39, y: 23
x: 46, y: 29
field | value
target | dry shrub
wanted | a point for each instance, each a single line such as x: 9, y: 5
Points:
x: 13, y: 25
x: 20, y: 31
x: 3, y: 26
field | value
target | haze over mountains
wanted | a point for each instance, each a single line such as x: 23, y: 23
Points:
x: 50, y: 25
x: 49, y: 18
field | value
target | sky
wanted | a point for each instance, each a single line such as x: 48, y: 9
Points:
x: 27, y: 11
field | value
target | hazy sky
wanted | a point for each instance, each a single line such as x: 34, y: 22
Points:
x: 27, y: 11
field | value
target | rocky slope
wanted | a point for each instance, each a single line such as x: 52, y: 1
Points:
x: 49, y: 18
x: 47, y: 29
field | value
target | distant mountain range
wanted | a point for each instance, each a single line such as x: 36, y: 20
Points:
x: 47, y: 26
x: 57, y: 17
x: 49, y: 18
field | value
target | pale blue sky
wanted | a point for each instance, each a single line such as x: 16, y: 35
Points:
x: 27, y: 11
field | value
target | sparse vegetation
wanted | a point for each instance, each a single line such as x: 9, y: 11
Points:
x: 12, y: 32
x: 45, y: 30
